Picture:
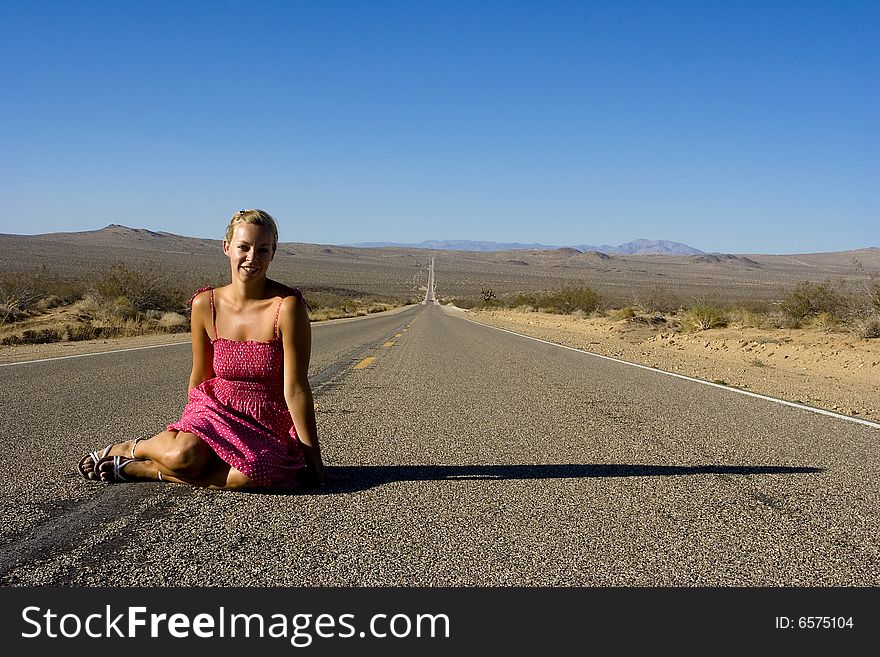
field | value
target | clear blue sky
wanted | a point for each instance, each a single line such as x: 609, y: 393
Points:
x: 735, y: 126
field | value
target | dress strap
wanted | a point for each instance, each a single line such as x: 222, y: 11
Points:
x: 213, y: 314
x: 290, y: 291
x: 197, y: 293
x: 278, y: 314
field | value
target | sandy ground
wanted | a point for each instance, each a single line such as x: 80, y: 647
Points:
x: 835, y: 371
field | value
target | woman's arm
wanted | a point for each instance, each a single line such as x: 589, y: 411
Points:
x: 296, y: 334
x: 202, y: 350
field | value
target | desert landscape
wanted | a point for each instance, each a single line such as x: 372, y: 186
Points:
x: 58, y: 298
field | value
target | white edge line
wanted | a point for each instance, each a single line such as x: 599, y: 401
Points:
x: 812, y: 409
x: 94, y: 353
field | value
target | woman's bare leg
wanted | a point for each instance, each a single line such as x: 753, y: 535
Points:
x: 180, y: 457
x: 220, y: 476
x: 181, y: 453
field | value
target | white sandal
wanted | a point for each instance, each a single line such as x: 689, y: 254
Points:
x: 96, y: 457
x: 133, y: 445
x: 117, y: 474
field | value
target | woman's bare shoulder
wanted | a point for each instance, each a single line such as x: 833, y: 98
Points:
x: 292, y: 313
x: 201, y: 299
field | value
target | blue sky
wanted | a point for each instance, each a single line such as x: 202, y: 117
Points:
x: 741, y: 127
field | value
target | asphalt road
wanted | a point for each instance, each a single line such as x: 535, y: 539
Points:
x: 471, y: 457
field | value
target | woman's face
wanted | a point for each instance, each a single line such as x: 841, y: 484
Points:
x: 250, y: 251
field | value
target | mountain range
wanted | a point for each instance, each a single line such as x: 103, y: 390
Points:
x: 636, y: 247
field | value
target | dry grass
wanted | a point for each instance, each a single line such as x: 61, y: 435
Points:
x: 702, y: 317
x: 829, y: 307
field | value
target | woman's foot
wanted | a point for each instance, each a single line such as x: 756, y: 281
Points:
x: 117, y: 469
x: 88, y: 466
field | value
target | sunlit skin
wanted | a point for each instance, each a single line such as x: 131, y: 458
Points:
x: 243, y: 311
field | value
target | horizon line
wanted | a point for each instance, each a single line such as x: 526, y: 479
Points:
x: 417, y: 245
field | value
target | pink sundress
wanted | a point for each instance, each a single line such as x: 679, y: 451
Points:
x: 241, y: 412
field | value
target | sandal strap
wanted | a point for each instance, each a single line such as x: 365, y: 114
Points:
x: 133, y: 445
x: 97, y: 457
x: 118, y: 472
x: 119, y: 463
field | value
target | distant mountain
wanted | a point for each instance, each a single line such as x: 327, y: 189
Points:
x: 456, y: 245
x: 725, y: 258
x: 118, y: 236
x: 644, y: 247
x: 123, y: 236
x: 637, y: 247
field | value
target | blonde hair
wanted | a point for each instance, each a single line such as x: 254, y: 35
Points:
x: 257, y: 217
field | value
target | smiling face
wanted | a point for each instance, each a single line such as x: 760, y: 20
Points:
x: 250, y: 251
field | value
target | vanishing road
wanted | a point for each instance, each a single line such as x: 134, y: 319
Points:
x: 471, y: 456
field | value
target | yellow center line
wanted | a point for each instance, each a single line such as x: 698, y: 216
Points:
x: 366, y: 362
x: 397, y: 335
x: 388, y: 344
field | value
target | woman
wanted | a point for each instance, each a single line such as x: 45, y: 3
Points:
x: 250, y: 420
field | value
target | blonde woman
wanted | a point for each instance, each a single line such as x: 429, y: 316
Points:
x: 250, y: 418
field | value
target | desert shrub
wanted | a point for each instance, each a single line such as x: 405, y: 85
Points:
x: 627, y: 312
x: 84, y: 331
x: 568, y: 299
x: 702, y: 317
x: 864, y: 302
x: 123, y: 328
x: 18, y: 295
x: 746, y: 318
x: 872, y: 289
x: 778, y: 319
x: 128, y: 293
x: 824, y: 321
x: 652, y: 320
x: 521, y: 300
x: 657, y: 300
x: 868, y: 327
x: 172, y: 322
x: 810, y: 299
x: 34, y: 336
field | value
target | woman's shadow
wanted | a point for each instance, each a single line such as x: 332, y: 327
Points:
x: 355, y: 478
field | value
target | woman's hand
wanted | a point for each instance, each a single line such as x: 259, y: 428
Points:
x: 315, y: 475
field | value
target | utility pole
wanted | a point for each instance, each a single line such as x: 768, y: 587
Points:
x: 429, y: 294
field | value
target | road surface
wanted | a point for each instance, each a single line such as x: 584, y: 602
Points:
x: 471, y: 456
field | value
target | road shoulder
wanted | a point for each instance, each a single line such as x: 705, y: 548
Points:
x: 832, y: 371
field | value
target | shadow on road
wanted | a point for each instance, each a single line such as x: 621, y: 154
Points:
x: 355, y: 478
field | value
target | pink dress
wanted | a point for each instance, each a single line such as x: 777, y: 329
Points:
x: 241, y: 412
